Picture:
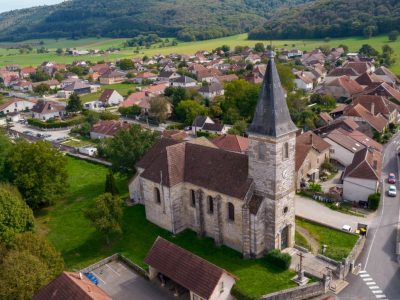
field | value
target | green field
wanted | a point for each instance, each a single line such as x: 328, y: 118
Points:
x: 339, y: 243
x: 182, y: 48
x: 65, y: 226
x: 122, y: 88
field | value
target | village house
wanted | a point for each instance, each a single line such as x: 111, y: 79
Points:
x: 53, y: 84
x: 78, y: 87
x: 208, y: 75
x: 199, y: 122
x: 342, y: 88
x: 385, y: 90
x: 181, y: 186
x: 212, y: 90
x: 361, y: 178
x: 27, y: 72
x: 107, y: 129
x: 200, y: 278
x: 178, y: 135
x: 303, y: 82
x: 111, y: 77
x: 362, y: 116
x: 68, y: 286
x: 16, y: 105
x: 379, y: 105
x: 387, y: 76
x: 168, y: 76
x: 311, y: 152
x: 368, y: 80
x: 45, y: 110
x: 140, y: 78
x: 360, y: 66
x: 184, y: 81
x: 110, y: 98
x: 338, y: 72
x: 343, y: 147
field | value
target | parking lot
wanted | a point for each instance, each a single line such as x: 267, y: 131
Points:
x: 121, y: 283
x: 53, y: 134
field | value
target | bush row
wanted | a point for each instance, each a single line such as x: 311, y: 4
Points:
x: 56, y: 124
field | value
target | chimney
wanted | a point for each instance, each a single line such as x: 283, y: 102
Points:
x: 311, y: 139
x: 373, y: 108
x: 80, y: 276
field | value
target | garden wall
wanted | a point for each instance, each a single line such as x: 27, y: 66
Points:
x: 299, y: 293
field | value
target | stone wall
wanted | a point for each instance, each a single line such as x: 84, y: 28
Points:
x: 299, y: 293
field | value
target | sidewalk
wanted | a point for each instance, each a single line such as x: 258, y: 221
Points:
x: 314, y: 211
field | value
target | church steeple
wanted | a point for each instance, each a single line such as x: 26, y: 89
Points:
x: 272, y: 116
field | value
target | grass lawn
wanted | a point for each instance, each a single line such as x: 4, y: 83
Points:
x: 122, y: 88
x: 339, y: 243
x: 301, y: 240
x: 354, y: 44
x: 77, y: 143
x: 65, y: 226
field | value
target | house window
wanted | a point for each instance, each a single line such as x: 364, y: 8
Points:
x: 332, y: 150
x: 221, y: 287
x: 286, y: 150
x: 210, y: 205
x: 309, y: 165
x: 261, y: 151
x: 192, y: 198
x: 157, y: 195
x: 231, y: 212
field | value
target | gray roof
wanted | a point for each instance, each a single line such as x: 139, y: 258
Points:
x: 272, y: 116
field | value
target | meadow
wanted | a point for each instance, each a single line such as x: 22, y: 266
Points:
x: 12, y: 56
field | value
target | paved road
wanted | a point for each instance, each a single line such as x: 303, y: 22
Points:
x: 312, y: 210
x: 380, y: 276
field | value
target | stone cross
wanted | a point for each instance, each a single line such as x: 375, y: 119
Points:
x: 301, y: 270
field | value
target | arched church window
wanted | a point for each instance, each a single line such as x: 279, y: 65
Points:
x: 286, y: 150
x: 157, y: 195
x: 231, y: 212
x: 261, y: 151
x: 192, y: 198
x: 210, y: 205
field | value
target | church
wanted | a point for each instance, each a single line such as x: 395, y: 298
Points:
x: 243, y: 201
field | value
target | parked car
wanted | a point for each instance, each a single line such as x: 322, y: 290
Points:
x: 347, y: 228
x: 392, y: 192
x: 27, y: 132
x: 392, y: 178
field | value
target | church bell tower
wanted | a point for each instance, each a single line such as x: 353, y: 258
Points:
x: 272, y: 143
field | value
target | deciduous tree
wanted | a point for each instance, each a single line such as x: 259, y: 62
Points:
x: 74, y: 103
x: 159, y: 108
x: 188, y: 110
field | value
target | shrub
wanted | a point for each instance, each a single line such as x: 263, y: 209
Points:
x: 315, y: 187
x: 56, y: 124
x: 279, y: 259
x: 327, y: 165
x: 240, y: 295
x: 373, y: 201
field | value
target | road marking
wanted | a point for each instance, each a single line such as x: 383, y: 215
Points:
x: 362, y: 272
x: 378, y: 292
x: 374, y: 287
x: 371, y: 283
x: 113, y: 270
x: 380, y: 296
x: 367, y: 279
x: 373, y: 239
x: 364, y: 275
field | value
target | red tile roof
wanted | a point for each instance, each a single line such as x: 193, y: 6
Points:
x: 345, y: 141
x: 109, y: 127
x: 384, y: 90
x: 71, y: 286
x: 305, y: 143
x: 378, y: 122
x: 366, y: 164
x: 229, y: 142
x: 362, y: 138
x: 105, y: 96
x: 44, y: 107
x: 381, y: 104
x: 174, y: 134
x: 351, y: 86
x: 185, y: 268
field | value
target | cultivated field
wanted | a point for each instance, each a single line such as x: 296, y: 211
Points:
x: 12, y: 56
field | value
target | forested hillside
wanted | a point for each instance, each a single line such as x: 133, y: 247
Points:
x: 187, y: 20
x: 331, y: 18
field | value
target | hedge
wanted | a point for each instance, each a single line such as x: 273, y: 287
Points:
x: 373, y: 201
x: 279, y: 259
x: 240, y: 295
x: 56, y: 124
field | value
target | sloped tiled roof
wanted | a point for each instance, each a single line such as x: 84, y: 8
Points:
x: 378, y: 122
x: 351, y: 86
x: 188, y: 270
x: 381, y: 104
x: 337, y: 72
x: 362, y: 138
x: 14, y: 100
x: 384, y: 90
x: 359, y: 67
x: 105, y: 96
x: 366, y: 164
x: 368, y: 79
x: 70, y: 286
x: 44, y: 107
x: 345, y: 141
x: 383, y: 71
x: 109, y: 127
x: 305, y: 143
x: 230, y: 142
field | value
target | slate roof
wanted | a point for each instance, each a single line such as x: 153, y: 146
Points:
x: 272, y: 116
x: 197, y: 164
x: 199, y: 121
x: 213, y: 127
x: 76, y: 85
x: 105, y: 96
x: 184, y: 79
x: 230, y: 142
x: 70, y: 286
x: 185, y: 268
x: 366, y: 164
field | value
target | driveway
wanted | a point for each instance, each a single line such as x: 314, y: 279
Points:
x: 312, y: 210
x: 55, y: 134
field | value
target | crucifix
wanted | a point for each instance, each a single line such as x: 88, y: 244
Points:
x: 300, y: 273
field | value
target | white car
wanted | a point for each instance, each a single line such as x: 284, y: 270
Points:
x: 346, y: 228
x: 392, y: 192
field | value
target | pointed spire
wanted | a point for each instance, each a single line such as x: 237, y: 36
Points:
x: 272, y: 116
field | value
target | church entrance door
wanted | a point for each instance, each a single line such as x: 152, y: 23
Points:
x: 285, y: 238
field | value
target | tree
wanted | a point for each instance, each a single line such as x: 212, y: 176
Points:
x: 74, y: 103
x: 393, y: 35
x: 259, y: 47
x: 111, y: 186
x: 130, y: 111
x: 39, y: 76
x: 15, y: 214
x: 159, y: 108
x: 127, y: 147
x: 239, y: 128
x: 369, y: 31
x: 368, y: 50
x: 41, y: 89
x: 5, y: 147
x: 345, y: 48
x: 286, y: 76
x: 188, y: 110
x: 59, y: 51
x: 126, y: 64
x: 29, y: 264
x: 387, y: 58
x: 38, y: 171
x: 106, y: 215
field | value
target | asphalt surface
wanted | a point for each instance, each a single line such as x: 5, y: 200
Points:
x: 380, y: 275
